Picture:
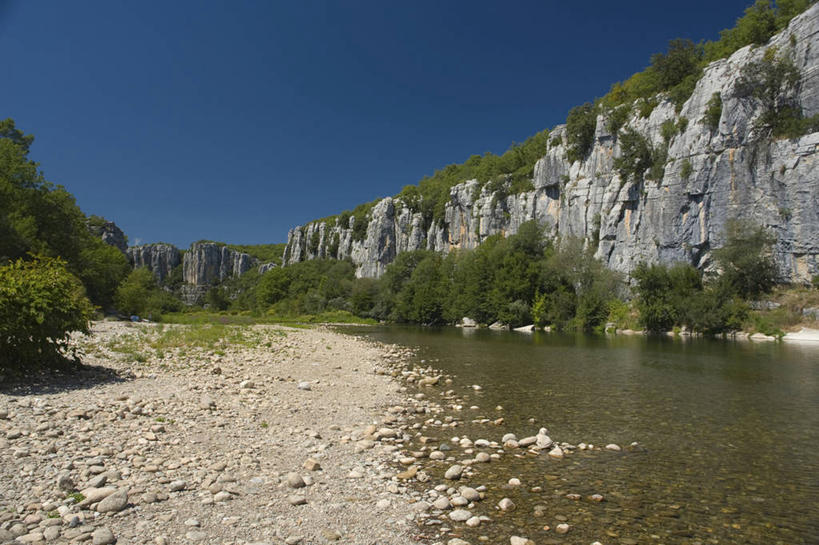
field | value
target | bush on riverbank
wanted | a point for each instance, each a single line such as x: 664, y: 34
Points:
x: 41, y: 304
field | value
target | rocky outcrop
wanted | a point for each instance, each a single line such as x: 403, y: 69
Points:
x: 208, y: 263
x: 109, y: 232
x: 733, y: 171
x: 159, y: 258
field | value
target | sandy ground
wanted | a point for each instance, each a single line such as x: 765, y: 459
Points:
x: 261, y: 442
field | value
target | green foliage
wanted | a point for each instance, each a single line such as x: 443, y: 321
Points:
x: 140, y: 295
x: 713, y: 111
x: 421, y: 297
x: 555, y: 142
x: 266, y: 253
x: 308, y: 287
x: 511, y: 171
x: 332, y: 248
x: 756, y: 26
x: 513, y: 280
x: 39, y: 218
x: 315, y: 238
x: 659, y: 158
x: 663, y: 294
x: 617, y: 117
x: 580, y: 126
x: 103, y: 268
x: 646, y: 105
x: 668, y: 130
x: 686, y: 170
x: 636, y: 156
x: 772, y: 83
x: 714, y: 311
x: 361, y: 219
x: 217, y: 298
x: 673, y: 67
x: 41, y: 304
x: 748, y: 269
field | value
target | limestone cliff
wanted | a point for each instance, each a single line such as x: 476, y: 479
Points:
x: 109, y: 232
x: 159, y: 258
x: 207, y: 263
x: 711, y: 175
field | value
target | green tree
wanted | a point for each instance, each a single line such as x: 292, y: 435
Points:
x: 748, y: 268
x: 673, y: 67
x: 41, y: 304
x: 421, y: 297
x: 37, y: 217
x: 140, y: 295
x: 580, y: 126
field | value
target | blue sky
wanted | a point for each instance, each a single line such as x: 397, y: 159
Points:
x: 235, y: 121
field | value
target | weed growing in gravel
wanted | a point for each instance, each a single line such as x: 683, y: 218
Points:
x: 76, y: 496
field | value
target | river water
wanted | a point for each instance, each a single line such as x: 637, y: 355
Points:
x: 727, y: 434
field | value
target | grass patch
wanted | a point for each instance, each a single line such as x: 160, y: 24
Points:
x: 224, y: 318
x: 76, y: 496
x: 788, y: 317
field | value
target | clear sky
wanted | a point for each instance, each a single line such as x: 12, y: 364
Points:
x: 236, y: 120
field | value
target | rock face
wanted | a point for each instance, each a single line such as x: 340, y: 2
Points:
x: 110, y: 234
x: 208, y: 262
x: 711, y: 176
x: 158, y: 258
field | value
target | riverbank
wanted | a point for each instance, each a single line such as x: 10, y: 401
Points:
x: 173, y: 434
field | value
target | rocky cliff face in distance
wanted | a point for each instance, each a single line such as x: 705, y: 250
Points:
x: 109, y: 232
x: 203, y: 265
x: 711, y: 174
x: 159, y: 258
x: 206, y: 263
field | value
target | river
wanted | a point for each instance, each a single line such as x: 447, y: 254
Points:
x: 727, y: 434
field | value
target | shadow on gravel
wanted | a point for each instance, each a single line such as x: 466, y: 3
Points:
x: 63, y: 379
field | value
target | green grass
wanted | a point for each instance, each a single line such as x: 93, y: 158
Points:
x: 76, y: 496
x: 245, y: 318
x: 788, y: 317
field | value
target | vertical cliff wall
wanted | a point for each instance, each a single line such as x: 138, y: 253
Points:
x: 207, y: 263
x: 711, y: 175
x: 158, y: 258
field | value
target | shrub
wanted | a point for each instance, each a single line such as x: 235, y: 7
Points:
x: 580, y: 126
x: 713, y: 311
x: 664, y: 295
x: 315, y: 238
x: 748, y: 269
x: 713, y: 112
x: 668, y: 130
x: 772, y: 82
x: 636, y: 156
x: 332, y: 248
x: 140, y: 295
x: 674, y: 67
x: 646, y: 106
x: 617, y: 117
x: 516, y: 314
x: 756, y: 26
x: 41, y: 304
x: 659, y: 157
x: 686, y: 170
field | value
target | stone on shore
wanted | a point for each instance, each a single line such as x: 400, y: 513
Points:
x: 114, y: 503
